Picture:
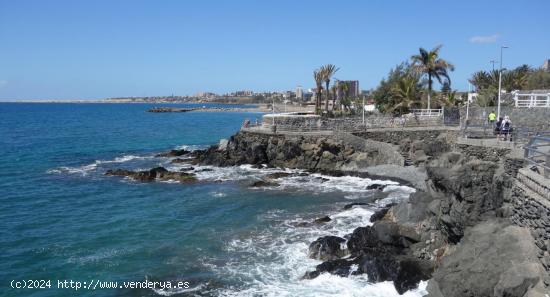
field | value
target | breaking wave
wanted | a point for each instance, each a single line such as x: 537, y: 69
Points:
x: 272, y: 261
x: 88, y: 168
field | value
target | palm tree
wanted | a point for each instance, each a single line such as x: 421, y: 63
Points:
x: 406, y: 93
x: 428, y: 63
x: 516, y: 79
x: 328, y: 71
x: 334, y: 91
x: 343, y: 89
x: 450, y: 99
x: 318, y: 76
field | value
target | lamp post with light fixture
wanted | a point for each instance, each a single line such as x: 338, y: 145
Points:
x: 500, y: 82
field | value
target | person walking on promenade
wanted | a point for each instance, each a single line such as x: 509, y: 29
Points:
x: 492, y: 118
x: 506, y: 128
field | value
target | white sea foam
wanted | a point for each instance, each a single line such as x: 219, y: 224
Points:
x: 218, y: 194
x: 192, y: 147
x: 355, y: 187
x: 88, y: 168
x: 272, y: 261
x: 82, y: 170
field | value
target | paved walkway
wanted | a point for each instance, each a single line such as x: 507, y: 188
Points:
x: 268, y: 131
x: 315, y: 132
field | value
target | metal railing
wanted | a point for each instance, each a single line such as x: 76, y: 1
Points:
x: 427, y: 112
x: 532, y: 100
x: 537, y: 151
x: 518, y: 135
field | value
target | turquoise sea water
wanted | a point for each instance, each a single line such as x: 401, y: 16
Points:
x: 62, y: 219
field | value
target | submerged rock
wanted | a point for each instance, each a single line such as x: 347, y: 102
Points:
x: 351, y: 205
x: 322, y: 220
x: 179, y: 160
x: 157, y: 173
x: 174, y: 153
x: 184, y: 169
x: 327, y: 248
x: 277, y: 175
x: 340, y: 267
x: 378, y: 187
x: 263, y: 183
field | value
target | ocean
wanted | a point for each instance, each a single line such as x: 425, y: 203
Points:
x: 62, y: 219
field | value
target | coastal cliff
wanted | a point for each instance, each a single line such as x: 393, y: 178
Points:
x: 456, y: 231
x: 304, y: 152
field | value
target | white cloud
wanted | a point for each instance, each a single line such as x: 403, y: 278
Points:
x: 485, y: 39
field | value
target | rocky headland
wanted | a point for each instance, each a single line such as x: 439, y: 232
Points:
x: 460, y: 230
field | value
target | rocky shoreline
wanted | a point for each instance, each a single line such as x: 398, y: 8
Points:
x: 454, y: 231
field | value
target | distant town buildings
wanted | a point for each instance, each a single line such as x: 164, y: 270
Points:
x: 205, y: 95
x: 297, y: 96
x: 350, y: 91
x: 546, y: 65
x: 299, y: 93
x: 243, y: 93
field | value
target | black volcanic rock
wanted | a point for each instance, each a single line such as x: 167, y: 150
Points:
x: 157, y: 173
x: 184, y: 169
x: 471, y: 191
x: 179, y: 161
x: 322, y: 220
x: 327, y: 248
x: 341, y: 267
x: 351, y: 205
x: 378, y: 187
x: 174, y: 153
x: 381, y: 213
x: 262, y: 183
x: 362, y: 237
x: 277, y: 175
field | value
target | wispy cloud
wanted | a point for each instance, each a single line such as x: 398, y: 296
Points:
x: 485, y: 39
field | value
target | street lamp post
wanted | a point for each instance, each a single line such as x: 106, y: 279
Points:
x: 363, y: 108
x: 493, y: 63
x: 468, y: 103
x: 273, y: 112
x: 500, y: 82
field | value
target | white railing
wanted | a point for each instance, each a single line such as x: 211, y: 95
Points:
x: 532, y: 100
x: 537, y: 151
x: 427, y: 112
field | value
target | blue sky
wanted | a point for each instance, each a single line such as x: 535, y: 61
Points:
x: 98, y: 49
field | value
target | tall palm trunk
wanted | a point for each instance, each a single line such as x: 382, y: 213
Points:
x: 334, y: 99
x: 328, y: 94
x: 317, y: 99
x: 429, y: 89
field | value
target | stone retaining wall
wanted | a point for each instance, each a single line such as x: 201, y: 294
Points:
x: 483, y: 153
x: 530, y: 201
x: 293, y: 122
x: 397, y: 136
